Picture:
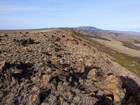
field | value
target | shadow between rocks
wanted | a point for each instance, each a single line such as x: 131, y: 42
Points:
x: 132, y: 96
x: 19, y: 70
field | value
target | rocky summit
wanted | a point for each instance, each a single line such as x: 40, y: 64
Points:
x: 58, y: 67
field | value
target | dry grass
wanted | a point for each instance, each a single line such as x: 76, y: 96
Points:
x: 136, y: 41
x: 119, y: 47
x: 130, y: 45
x: 101, y: 38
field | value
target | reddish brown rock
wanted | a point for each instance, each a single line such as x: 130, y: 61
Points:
x: 113, y: 84
x: 89, y: 62
x: 35, y: 98
x: 46, y: 79
x: 92, y: 73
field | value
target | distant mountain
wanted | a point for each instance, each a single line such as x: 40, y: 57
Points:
x: 89, y: 29
x: 107, y: 33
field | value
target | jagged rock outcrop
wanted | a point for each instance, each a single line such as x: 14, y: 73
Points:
x: 58, y: 68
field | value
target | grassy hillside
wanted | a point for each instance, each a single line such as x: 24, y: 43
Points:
x: 130, y: 45
x: 131, y: 63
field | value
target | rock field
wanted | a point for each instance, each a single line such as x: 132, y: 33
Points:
x: 58, y: 68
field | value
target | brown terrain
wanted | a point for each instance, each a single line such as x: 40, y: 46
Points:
x: 123, y: 42
x: 62, y: 67
x: 123, y: 47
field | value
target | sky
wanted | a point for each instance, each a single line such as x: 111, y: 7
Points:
x: 123, y: 15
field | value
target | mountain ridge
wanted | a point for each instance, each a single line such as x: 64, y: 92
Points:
x: 58, y: 66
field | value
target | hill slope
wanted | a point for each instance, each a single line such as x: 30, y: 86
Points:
x: 59, y: 67
x: 123, y: 46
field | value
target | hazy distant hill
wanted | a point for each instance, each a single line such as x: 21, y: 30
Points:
x: 107, y: 33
